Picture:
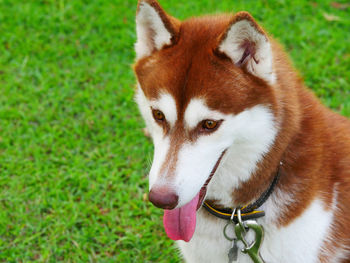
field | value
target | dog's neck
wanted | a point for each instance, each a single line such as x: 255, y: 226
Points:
x: 241, y: 178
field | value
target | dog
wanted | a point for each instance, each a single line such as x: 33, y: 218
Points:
x: 248, y: 165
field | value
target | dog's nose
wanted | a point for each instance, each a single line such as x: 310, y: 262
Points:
x: 163, y: 197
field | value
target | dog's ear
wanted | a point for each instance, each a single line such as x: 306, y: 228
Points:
x: 155, y: 28
x: 247, y: 45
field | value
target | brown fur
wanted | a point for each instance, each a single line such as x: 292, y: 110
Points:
x: 313, y: 142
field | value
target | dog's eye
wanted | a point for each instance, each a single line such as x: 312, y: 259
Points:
x: 209, y: 124
x: 158, y: 115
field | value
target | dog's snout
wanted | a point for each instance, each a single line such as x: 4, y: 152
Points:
x: 163, y: 197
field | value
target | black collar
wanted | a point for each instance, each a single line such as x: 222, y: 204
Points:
x: 248, y: 211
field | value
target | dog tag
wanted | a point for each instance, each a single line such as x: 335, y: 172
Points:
x: 233, y: 252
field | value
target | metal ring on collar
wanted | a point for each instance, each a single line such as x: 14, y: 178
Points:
x: 225, y: 234
x: 240, y: 222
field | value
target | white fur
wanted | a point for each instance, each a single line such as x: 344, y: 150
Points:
x: 197, y: 111
x: 247, y: 136
x: 298, y: 242
x: 151, y: 32
x: 194, y: 165
x: 167, y: 105
x: 232, y: 47
x: 278, y: 202
x: 253, y: 132
x: 161, y: 148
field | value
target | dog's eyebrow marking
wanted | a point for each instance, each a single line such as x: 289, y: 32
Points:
x: 197, y: 110
x: 167, y: 105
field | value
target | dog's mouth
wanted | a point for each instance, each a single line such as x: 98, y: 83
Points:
x: 203, y: 190
x: 180, y: 223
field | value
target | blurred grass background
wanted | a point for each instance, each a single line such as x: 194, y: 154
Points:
x: 73, y: 159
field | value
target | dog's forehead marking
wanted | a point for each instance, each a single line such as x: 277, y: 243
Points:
x: 197, y: 110
x: 166, y: 103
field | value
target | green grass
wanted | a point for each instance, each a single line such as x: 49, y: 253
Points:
x: 73, y: 159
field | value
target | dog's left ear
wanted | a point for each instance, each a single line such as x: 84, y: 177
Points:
x: 247, y: 45
x: 154, y: 27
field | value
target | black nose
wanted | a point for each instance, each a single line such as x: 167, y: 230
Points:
x: 163, y: 197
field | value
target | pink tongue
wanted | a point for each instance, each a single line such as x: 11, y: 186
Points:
x: 180, y: 223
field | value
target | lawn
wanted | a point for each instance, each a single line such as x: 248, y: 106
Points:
x: 73, y: 158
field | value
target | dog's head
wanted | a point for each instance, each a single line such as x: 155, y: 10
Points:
x: 205, y: 89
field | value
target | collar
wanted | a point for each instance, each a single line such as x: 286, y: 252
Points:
x: 249, y: 211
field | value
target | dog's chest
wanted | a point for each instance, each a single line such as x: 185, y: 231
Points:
x: 300, y: 241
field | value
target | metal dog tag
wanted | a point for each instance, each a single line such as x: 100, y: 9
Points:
x: 233, y: 252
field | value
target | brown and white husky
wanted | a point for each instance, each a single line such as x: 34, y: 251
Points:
x: 224, y: 108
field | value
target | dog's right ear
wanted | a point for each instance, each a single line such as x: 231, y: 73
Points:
x: 155, y: 28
